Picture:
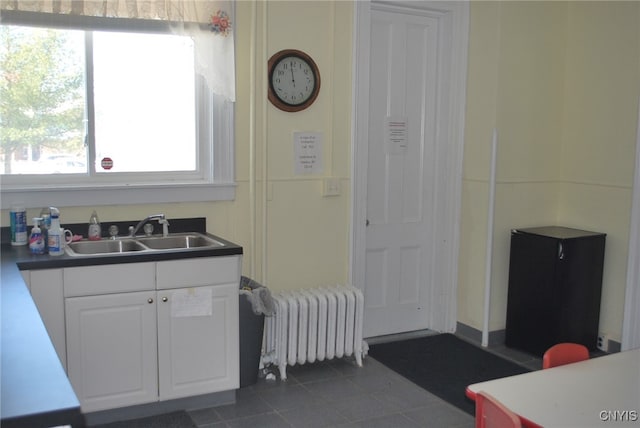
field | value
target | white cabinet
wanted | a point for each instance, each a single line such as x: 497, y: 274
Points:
x: 112, y: 349
x: 109, y: 279
x: 111, y: 334
x: 46, y: 287
x: 143, y: 332
x: 198, y: 351
x: 198, y: 342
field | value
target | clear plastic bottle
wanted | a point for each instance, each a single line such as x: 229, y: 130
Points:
x: 95, y: 231
x: 45, y: 225
x: 56, y: 234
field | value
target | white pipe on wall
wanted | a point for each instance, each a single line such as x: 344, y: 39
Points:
x: 489, y: 249
x: 252, y: 140
x: 265, y: 141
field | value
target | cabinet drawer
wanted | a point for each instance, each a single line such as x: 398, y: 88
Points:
x: 108, y: 279
x: 198, y: 272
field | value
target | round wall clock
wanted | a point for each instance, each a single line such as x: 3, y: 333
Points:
x: 294, y: 80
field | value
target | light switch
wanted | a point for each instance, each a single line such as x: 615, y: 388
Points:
x: 331, y: 187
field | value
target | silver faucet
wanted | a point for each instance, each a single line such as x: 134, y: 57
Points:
x: 161, y: 219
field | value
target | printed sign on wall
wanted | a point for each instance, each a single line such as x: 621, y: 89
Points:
x: 307, y: 148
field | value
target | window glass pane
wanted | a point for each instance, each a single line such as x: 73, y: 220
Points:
x: 144, y: 102
x: 42, y: 116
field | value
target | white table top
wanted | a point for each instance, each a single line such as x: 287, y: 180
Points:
x: 603, y: 391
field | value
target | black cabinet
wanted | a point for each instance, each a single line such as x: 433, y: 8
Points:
x: 555, y: 282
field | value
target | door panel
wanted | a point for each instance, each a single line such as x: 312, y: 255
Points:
x: 112, y: 349
x: 400, y: 182
x: 198, y: 346
x: 409, y: 76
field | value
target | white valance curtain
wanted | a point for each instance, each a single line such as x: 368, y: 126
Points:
x: 209, y: 22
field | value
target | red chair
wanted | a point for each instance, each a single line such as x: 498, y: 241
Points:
x: 564, y: 353
x: 490, y: 413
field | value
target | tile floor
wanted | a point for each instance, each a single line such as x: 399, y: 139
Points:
x: 340, y: 394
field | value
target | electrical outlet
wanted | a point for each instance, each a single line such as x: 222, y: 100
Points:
x: 603, y: 342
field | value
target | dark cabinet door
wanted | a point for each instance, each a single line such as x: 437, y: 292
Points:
x: 555, y: 278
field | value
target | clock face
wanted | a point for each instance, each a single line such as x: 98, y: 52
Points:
x: 294, y: 81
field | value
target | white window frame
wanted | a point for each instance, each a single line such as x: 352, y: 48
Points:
x: 214, y: 181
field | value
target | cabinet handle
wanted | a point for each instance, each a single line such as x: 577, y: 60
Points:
x: 165, y: 299
x: 150, y: 300
x: 560, y: 251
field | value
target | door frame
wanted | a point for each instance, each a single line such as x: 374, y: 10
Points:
x: 631, y: 322
x: 443, y: 306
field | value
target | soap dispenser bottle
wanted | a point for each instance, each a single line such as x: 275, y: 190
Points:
x: 36, y: 239
x: 95, y: 231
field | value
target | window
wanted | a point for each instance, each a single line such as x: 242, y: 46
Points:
x: 104, y: 117
x: 144, y: 102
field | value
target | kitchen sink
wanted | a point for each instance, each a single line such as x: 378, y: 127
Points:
x: 172, y: 242
x: 176, y: 241
x: 104, y: 247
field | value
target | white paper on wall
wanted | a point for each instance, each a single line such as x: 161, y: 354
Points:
x: 308, y: 152
x: 191, y: 302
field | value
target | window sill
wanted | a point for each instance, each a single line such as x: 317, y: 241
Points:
x: 117, y: 195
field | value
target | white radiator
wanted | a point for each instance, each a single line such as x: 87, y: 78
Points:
x: 314, y: 325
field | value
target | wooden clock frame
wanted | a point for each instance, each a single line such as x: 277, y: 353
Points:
x: 275, y: 100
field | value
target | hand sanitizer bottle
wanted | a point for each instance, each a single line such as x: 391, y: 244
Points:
x: 36, y: 239
x: 95, y: 231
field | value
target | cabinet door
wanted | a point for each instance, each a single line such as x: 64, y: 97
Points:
x: 47, y: 293
x: 198, y: 340
x: 533, y: 302
x: 582, y: 267
x: 112, y: 349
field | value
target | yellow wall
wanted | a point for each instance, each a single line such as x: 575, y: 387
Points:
x: 305, y: 241
x: 517, y: 49
x: 602, y: 91
x: 559, y: 80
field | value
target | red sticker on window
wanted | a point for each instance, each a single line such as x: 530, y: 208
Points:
x: 106, y: 163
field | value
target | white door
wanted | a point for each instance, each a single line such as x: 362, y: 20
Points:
x: 404, y: 256
x: 112, y: 349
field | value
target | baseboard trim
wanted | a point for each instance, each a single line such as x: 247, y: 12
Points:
x: 474, y: 335
x: 160, y: 407
x: 399, y: 336
x: 497, y: 337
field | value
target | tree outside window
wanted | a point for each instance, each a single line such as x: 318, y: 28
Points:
x: 41, y: 100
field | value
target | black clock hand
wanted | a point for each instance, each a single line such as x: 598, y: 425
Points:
x: 293, y: 79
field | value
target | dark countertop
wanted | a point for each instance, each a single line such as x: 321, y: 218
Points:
x: 35, y: 390
x: 30, y: 262
x: 559, y: 232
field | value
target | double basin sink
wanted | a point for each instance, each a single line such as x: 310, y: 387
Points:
x: 172, y: 242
